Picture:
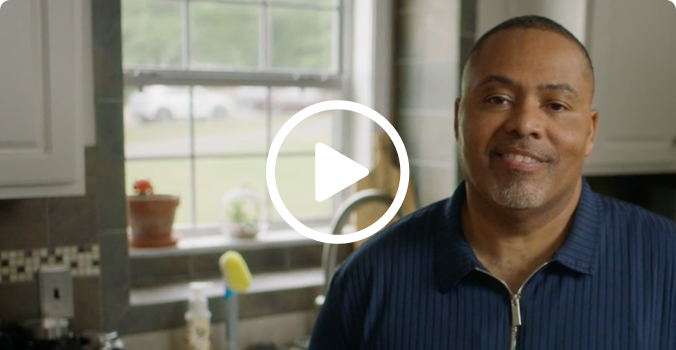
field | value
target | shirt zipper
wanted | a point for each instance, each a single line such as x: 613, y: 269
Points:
x: 514, y: 303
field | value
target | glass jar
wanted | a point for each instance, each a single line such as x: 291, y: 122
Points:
x: 242, y: 213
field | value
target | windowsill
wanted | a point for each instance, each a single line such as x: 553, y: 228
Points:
x: 211, y: 240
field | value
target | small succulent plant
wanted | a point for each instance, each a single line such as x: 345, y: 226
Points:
x: 238, y: 213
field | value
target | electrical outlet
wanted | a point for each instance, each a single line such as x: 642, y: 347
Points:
x: 56, y: 292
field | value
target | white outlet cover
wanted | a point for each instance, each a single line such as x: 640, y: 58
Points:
x: 56, y: 292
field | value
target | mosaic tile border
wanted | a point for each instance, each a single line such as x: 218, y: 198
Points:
x: 24, y: 265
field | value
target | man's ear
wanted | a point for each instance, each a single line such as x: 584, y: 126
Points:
x: 591, y: 138
x: 455, y: 121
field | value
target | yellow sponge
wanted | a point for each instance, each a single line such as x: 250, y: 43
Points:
x: 235, y: 271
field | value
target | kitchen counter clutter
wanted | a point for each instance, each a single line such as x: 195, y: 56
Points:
x: 278, y: 307
x: 285, y: 265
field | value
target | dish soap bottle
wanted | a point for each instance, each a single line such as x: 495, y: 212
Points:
x: 198, y: 319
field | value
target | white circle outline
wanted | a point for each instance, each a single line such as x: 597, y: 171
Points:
x: 272, y: 161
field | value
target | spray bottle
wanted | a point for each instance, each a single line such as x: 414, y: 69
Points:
x: 198, y: 319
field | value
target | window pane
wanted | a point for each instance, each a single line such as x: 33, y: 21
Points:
x: 223, y: 35
x: 151, y: 33
x: 216, y: 177
x: 296, y: 184
x: 156, y: 121
x: 168, y: 177
x: 232, y: 120
x: 302, y: 38
x: 288, y: 101
x: 313, y: 2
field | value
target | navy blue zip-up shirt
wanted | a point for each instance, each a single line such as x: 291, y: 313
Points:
x: 417, y: 285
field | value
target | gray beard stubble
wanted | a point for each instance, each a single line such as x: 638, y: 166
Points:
x: 520, y: 193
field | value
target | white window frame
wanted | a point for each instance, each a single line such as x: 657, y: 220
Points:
x: 338, y: 78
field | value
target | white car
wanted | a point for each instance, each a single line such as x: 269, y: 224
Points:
x: 164, y: 103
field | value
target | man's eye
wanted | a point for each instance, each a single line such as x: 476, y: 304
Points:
x: 498, y: 100
x: 557, y: 107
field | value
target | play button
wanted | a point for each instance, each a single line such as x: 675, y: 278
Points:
x: 334, y: 172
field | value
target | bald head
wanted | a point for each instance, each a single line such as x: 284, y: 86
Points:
x: 530, y: 22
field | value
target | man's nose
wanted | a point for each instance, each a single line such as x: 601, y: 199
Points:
x: 526, y: 120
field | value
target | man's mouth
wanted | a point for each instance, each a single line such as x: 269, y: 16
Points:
x: 521, y: 158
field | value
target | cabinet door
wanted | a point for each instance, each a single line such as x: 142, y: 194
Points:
x: 633, y: 48
x: 41, y: 148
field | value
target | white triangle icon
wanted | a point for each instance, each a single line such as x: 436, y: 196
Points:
x: 334, y: 172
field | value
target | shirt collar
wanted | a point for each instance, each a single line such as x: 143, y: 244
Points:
x: 454, y: 258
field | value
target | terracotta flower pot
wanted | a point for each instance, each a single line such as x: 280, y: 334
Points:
x: 151, y: 220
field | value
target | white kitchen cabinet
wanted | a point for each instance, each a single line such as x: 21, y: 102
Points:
x: 633, y: 47
x: 42, y: 98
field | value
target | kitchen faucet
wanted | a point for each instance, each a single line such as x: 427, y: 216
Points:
x: 330, y: 252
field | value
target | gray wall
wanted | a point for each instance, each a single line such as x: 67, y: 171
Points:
x: 96, y: 219
x: 428, y: 41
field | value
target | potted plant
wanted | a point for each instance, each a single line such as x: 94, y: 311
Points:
x: 150, y: 217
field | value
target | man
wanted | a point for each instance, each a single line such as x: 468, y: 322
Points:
x: 523, y: 255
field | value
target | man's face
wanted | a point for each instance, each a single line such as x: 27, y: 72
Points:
x: 524, y: 123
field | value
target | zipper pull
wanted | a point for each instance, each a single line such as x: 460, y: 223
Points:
x: 516, y: 310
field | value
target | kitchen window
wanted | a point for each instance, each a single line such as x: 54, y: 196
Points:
x: 208, y: 83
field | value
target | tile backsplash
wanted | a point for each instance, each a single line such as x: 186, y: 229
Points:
x: 24, y: 265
